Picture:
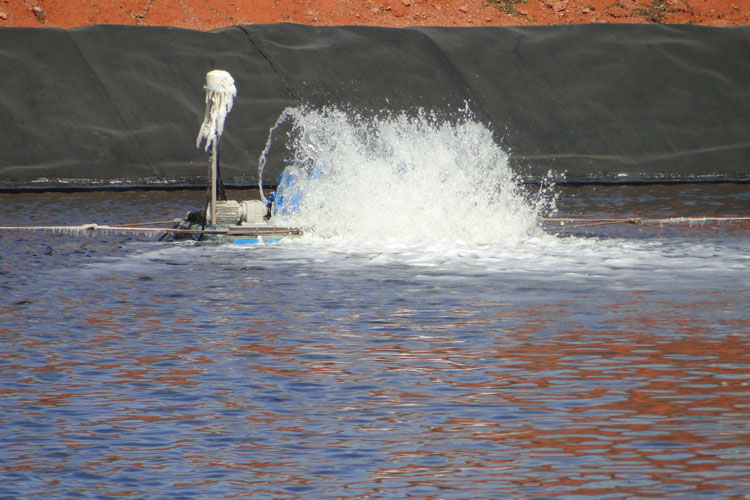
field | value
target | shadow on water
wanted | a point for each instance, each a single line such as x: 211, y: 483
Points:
x: 609, y: 363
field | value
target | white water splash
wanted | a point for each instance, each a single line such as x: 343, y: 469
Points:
x: 405, y: 178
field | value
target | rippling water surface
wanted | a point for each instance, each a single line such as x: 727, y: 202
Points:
x: 599, y: 362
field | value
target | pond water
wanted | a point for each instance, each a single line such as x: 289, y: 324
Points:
x: 604, y: 361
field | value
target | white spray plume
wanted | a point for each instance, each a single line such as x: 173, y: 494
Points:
x: 405, y: 177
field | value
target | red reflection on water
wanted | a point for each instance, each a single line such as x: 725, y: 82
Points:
x: 646, y: 395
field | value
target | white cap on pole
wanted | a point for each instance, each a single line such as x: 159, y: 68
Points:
x: 220, y: 94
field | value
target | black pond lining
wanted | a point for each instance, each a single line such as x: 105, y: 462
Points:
x: 118, y: 107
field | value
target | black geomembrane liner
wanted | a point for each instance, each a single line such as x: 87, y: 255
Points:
x: 120, y: 106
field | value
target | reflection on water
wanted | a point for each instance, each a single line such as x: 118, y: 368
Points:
x: 614, y: 365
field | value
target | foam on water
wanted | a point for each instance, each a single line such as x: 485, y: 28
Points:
x: 406, y: 179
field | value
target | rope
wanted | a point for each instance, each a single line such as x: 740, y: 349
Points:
x: 588, y: 222
x: 90, y: 228
x: 139, y: 224
x: 96, y: 227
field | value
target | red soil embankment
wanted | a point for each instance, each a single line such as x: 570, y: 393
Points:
x: 212, y: 14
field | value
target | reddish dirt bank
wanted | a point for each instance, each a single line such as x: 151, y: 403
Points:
x: 212, y: 14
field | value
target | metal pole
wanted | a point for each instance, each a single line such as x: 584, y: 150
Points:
x: 214, y: 155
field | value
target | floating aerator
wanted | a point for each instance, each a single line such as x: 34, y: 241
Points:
x: 220, y: 94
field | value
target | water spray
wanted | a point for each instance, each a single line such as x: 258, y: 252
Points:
x: 220, y: 94
x: 262, y: 159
